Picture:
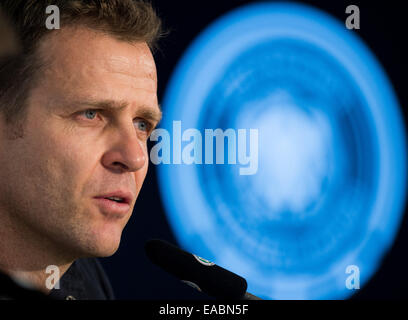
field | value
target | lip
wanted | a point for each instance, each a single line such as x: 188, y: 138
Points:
x: 112, y: 207
x: 125, y: 195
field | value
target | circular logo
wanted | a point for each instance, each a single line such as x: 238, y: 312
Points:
x: 324, y: 189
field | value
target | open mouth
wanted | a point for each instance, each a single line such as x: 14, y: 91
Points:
x: 116, y: 199
x: 113, y: 205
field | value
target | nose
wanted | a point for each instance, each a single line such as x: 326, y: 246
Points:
x: 126, y: 152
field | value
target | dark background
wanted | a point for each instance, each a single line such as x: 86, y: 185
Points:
x: 382, y: 24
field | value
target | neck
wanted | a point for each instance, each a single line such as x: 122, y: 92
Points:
x: 30, y: 257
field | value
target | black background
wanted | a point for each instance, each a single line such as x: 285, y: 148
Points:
x: 382, y: 28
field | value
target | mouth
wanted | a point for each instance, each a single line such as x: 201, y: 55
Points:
x: 115, y: 203
x: 116, y: 199
x: 117, y: 196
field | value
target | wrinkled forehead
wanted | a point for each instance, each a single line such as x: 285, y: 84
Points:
x: 74, y: 50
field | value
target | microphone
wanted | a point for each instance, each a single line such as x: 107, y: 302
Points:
x: 197, y: 272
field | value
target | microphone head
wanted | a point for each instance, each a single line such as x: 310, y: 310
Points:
x: 210, y: 278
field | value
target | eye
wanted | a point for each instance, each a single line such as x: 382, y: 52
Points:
x: 90, y: 114
x: 142, y: 125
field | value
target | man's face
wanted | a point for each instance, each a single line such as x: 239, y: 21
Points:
x: 88, y: 119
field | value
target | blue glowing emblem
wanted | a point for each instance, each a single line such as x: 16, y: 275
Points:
x: 329, y: 191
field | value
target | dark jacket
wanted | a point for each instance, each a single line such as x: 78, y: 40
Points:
x: 84, y: 280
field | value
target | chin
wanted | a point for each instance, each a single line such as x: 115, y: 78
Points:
x: 106, y: 251
x: 103, y: 249
x: 104, y: 243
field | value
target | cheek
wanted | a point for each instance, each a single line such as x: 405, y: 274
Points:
x: 81, y: 160
x: 41, y: 176
x: 73, y: 161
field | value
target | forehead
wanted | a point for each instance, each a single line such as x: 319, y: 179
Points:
x: 75, y: 55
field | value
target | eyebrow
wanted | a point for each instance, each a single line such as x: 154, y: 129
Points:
x: 148, y: 112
